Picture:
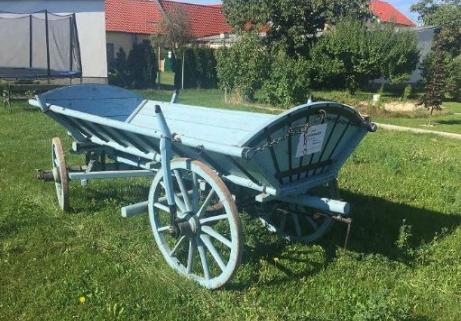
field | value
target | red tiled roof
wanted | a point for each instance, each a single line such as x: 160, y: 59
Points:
x: 205, y: 20
x: 386, y: 12
x: 141, y: 16
x: 134, y: 16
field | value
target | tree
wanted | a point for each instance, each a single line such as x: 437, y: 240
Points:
x: 174, y: 33
x: 142, y: 66
x: 288, y: 80
x: 174, y: 29
x: 291, y: 24
x: 243, y: 66
x: 446, y: 16
x: 118, y: 70
x: 352, y: 54
x: 436, y: 79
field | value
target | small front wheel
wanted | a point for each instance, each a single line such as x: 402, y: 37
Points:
x: 60, y: 174
x: 208, y: 245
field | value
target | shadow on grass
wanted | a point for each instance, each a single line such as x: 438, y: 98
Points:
x: 375, y: 230
x: 449, y: 122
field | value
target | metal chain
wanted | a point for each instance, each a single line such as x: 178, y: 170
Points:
x: 292, y: 131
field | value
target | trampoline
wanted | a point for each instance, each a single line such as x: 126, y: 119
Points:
x: 38, y: 46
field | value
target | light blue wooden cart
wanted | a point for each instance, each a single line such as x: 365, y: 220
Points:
x: 199, y: 159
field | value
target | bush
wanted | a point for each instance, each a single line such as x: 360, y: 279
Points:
x: 288, y: 82
x: 454, y: 78
x: 118, y: 70
x: 142, y: 66
x: 200, y: 68
x: 139, y: 70
x: 407, y: 92
x: 352, y: 54
x: 243, y: 66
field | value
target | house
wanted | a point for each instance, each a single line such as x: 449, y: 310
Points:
x: 90, y: 19
x: 129, y: 22
x: 387, y: 13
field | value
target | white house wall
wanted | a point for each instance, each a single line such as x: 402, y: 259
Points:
x: 91, y: 26
x: 425, y: 38
x: 124, y: 40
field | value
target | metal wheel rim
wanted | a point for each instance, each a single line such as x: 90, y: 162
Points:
x: 192, y: 255
x: 61, y: 181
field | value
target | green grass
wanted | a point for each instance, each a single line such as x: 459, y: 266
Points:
x: 167, y: 78
x: 447, y: 121
x: 403, y: 260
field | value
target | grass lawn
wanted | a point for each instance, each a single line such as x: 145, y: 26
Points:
x: 403, y: 260
x: 167, y: 78
x: 447, y: 121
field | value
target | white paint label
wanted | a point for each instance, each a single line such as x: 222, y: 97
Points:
x: 312, y: 141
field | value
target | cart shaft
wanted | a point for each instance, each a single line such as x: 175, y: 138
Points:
x: 321, y: 203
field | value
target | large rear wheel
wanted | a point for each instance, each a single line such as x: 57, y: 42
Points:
x: 208, y: 246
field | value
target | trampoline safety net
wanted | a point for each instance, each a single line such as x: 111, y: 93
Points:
x: 39, y: 45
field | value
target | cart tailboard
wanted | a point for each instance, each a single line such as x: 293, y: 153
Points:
x: 305, y: 147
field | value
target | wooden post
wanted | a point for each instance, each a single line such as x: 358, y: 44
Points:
x: 158, y: 68
x: 182, y: 68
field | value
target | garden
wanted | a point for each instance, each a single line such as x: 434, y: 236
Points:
x: 402, y: 261
x: 403, y: 257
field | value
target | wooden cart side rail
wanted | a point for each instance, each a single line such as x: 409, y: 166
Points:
x: 126, y: 130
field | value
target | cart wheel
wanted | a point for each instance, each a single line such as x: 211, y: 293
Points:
x: 208, y: 248
x: 297, y: 223
x: 61, y: 179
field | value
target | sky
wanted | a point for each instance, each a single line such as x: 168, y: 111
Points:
x: 402, y: 5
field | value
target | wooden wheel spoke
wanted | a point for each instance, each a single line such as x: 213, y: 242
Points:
x: 213, y: 219
x: 206, y: 203
x: 214, y: 252
x: 202, y: 254
x: 162, y: 207
x: 190, y: 255
x: 178, y: 201
x: 283, y: 223
x: 164, y: 229
x: 312, y: 222
x: 211, y: 232
x: 195, y: 191
x: 178, y: 244
x: 182, y: 188
x: 296, y: 223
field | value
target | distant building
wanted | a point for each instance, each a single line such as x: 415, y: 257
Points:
x: 387, y: 13
x: 129, y: 22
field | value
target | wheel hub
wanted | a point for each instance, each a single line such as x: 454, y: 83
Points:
x: 189, y: 227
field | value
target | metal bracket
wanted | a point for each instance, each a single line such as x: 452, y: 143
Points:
x: 348, y: 222
x: 84, y: 182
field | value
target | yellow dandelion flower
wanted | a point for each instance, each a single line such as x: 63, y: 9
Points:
x: 82, y: 299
